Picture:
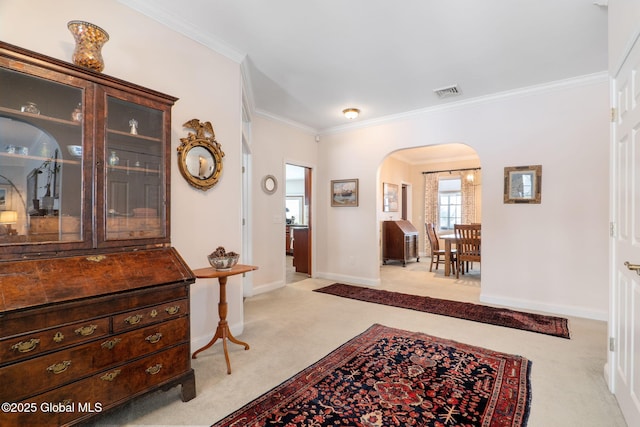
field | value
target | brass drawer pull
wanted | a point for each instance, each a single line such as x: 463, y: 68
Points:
x: 26, y: 346
x: 85, y: 331
x: 172, y: 310
x: 154, y: 313
x: 110, y: 344
x: 154, y: 338
x: 153, y: 369
x: 110, y: 376
x: 59, y: 368
x: 132, y: 320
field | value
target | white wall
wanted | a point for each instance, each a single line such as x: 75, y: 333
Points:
x: 209, y: 87
x: 623, y: 29
x: 550, y: 256
x: 273, y: 145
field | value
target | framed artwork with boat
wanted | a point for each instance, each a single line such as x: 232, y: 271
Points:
x: 344, y: 192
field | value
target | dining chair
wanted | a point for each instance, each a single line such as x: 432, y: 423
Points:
x: 437, y: 254
x: 467, y: 244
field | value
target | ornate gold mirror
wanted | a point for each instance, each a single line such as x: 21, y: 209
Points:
x: 200, y: 156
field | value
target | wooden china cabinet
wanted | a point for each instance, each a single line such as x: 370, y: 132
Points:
x: 94, y: 301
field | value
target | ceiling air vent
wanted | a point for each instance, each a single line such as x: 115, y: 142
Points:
x: 446, y: 92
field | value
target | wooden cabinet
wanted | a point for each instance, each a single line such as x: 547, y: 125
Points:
x: 85, y: 158
x: 399, y: 241
x: 301, y: 250
x: 94, y: 301
x: 287, y: 241
x: 93, y: 330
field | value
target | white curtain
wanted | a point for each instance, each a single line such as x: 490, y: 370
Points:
x: 468, y: 200
x: 431, y: 181
x: 430, y: 204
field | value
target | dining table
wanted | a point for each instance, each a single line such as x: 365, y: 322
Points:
x: 448, y: 240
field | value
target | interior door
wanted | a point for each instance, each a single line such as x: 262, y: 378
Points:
x: 625, y: 290
x: 299, y: 211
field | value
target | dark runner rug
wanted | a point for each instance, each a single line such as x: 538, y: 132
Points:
x: 392, y: 377
x: 549, y: 325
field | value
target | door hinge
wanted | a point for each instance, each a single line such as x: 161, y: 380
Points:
x: 612, y: 344
x: 613, y: 114
x: 612, y: 229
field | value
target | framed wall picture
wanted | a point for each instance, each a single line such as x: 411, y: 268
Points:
x: 4, y: 198
x: 523, y: 184
x: 389, y: 197
x: 344, y: 192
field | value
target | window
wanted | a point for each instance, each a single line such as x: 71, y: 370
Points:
x: 449, y: 203
x: 293, y: 210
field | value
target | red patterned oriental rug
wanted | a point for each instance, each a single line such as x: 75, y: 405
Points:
x: 392, y: 377
x: 549, y: 325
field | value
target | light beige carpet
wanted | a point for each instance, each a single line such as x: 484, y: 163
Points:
x: 292, y: 327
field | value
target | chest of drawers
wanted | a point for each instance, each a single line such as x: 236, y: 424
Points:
x: 81, y: 335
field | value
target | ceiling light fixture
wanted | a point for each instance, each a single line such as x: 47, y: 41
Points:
x: 351, y: 113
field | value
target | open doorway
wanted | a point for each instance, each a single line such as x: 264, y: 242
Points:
x: 298, y: 246
x: 439, y: 185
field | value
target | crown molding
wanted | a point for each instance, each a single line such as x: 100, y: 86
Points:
x: 554, y: 86
x: 190, y: 30
x: 288, y: 122
x: 398, y: 155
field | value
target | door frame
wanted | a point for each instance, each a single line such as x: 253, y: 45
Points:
x: 311, y: 168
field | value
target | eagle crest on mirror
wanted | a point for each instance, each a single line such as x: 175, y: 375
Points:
x: 200, y: 155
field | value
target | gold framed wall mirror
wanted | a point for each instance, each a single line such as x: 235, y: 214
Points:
x: 200, y: 156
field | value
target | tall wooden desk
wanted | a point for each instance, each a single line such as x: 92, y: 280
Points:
x: 222, y: 331
x: 399, y: 241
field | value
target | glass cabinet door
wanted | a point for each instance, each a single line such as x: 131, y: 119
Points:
x: 41, y: 158
x: 134, y: 165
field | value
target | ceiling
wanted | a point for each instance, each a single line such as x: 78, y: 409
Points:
x: 306, y: 61
x: 436, y: 154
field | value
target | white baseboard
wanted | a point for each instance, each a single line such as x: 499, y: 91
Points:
x: 547, y: 308
x: 266, y: 288
x: 348, y: 279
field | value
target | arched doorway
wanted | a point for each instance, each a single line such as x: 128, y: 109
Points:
x: 443, y: 186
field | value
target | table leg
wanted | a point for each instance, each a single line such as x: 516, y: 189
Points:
x: 447, y: 257
x: 222, y: 331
